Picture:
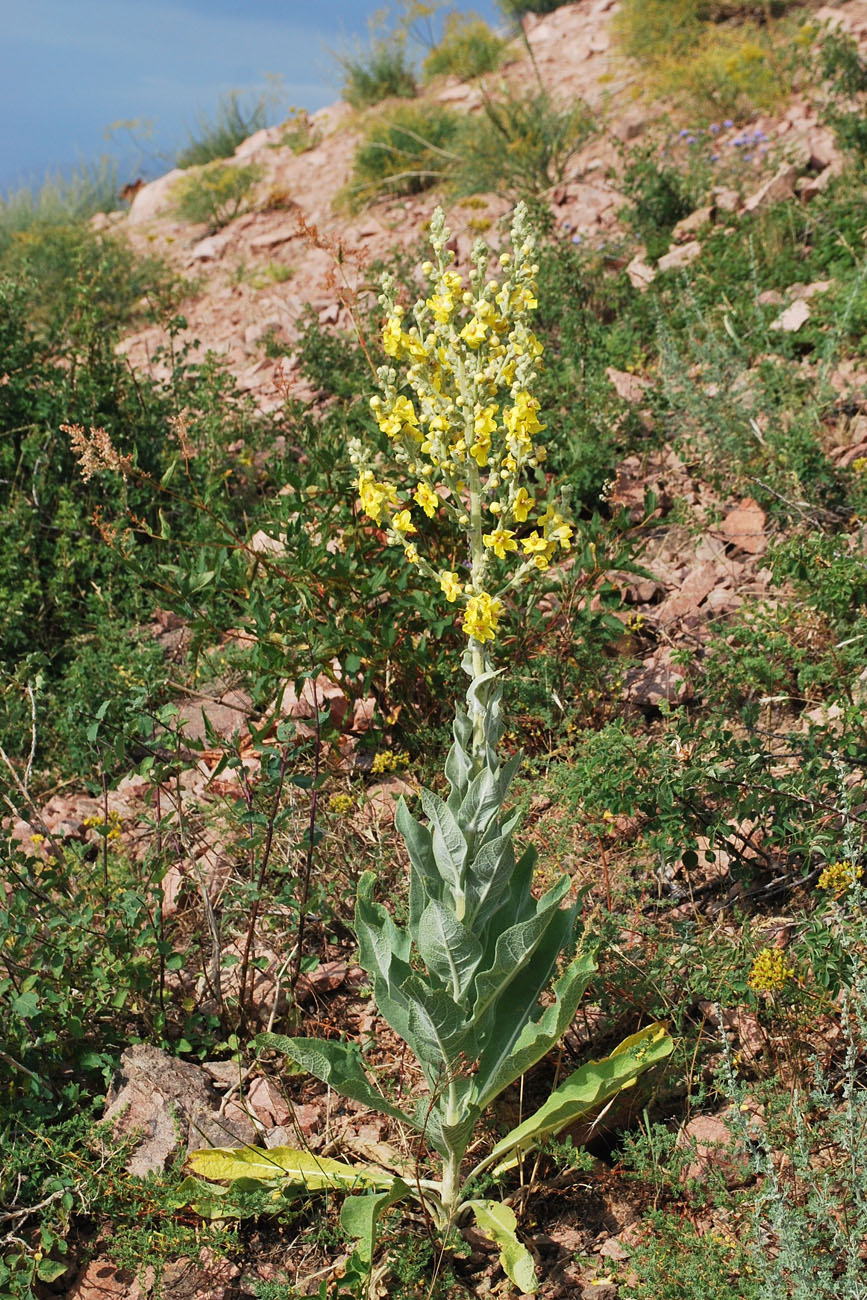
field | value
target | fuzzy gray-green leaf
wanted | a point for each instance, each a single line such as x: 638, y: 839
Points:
x: 448, y: 949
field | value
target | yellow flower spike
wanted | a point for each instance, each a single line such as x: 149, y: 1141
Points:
x: 402, y: 522
x: 450, y: 585
x: 427, y: 499
x: 500, y: 541
x: 522, y: 505
x: 482, y: 617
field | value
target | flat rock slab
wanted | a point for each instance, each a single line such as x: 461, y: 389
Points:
x: 166, y: 1106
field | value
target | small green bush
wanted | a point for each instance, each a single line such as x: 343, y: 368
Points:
x: 215, y: 194
x: 382, y: 71
x: 468, y: 49
x: 517, y: 8
x: 520, y: 145
x: 688, y: 49
x: 405, y: 151
x: 60, y: 200
x: 220, y: 137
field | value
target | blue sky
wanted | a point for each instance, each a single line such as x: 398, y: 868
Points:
x: 70, y: 68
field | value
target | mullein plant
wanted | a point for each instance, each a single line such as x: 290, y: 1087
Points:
x: 485, y: 977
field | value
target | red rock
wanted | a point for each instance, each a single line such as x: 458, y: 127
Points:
x: 744, y: 527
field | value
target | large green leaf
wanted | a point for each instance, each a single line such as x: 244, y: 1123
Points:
x: 487, y: 879
x: 285, y: 1163
x: 498, y: 1222
x: 449, y: 950
x: 516, y: 945
x: 438, y: 1030
x: 585, y: 1090
x: 384, y: 952
x: 360, y: 1216
x: 337, y: 1064
x: 449, y: 845
x: 516, y: 1043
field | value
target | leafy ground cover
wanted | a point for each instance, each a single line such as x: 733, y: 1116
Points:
x: 217, y: 674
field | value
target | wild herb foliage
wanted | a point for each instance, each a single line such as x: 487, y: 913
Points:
x: 218, y: 136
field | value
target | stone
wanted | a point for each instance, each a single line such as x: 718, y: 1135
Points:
x: 791, y: 320
x: 102, y: 1280
x: 640, y: 273
x: 166, y: 1104
x: 154, y: 200
x: 780, y: 186
x: 744, y: 527
x: 271, y: 238
x: 631, y: 388
x: 211, y: 247
x: 715, y: 1149
x: 679, y: 256
x: 725, y: 199
x: 692, y: 224
x: 226, y: 716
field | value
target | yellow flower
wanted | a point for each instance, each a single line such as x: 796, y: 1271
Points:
x: 442, y: 305
x: 500, y: 541
x: 482, y: 617
x: 481, y: 449
x: 391, y: 336
x: 522, y: 505
x: 450, y: 585
x: 555, y: 527
x: 484, y: 422
x: 340, y: 803
x: 840, y: 876
x: 474, y: 332
x: 770, y: 971
x: 372, y: 495
x: 402, y: 522
x: 535, y: 544
x: 427, y: 499
x: 402, y: 419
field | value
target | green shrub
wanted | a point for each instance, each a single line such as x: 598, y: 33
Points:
x: 468, y: 49
x: 216, y: 193
x: 60, y: 200
x: 520, y: 145
x: 406, y: 150
x: 517, y: 8
x: 219, y: 137
x: 845, y: 71
x: 382, y: 71
x: 688, y: 49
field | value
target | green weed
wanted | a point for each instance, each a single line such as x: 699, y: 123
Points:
x: 468, y: 49
x: 215, y: 193
x: 218, y: 137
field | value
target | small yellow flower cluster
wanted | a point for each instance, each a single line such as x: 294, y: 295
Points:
x: 859, y: 464
x: 340, y: 804
x: 111, y: 828
x: 770, y: 971
x: 840, y: 876
x: 389, y: 760
x: 463, y: 440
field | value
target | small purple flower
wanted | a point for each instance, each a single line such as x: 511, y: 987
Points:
x: 684, y: 132
x: 747, y: 157
x: 728, y: 123
x: 714, y: 157
x: 690, y: 139
x: 759, y: 135
x: 714, y: 128
x: 577, y: 239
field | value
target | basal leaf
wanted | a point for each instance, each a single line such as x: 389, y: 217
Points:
x: 585, y: 1090
x: 498, y: 1222
x: 285, y: 1163
x: 360, y: 1215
